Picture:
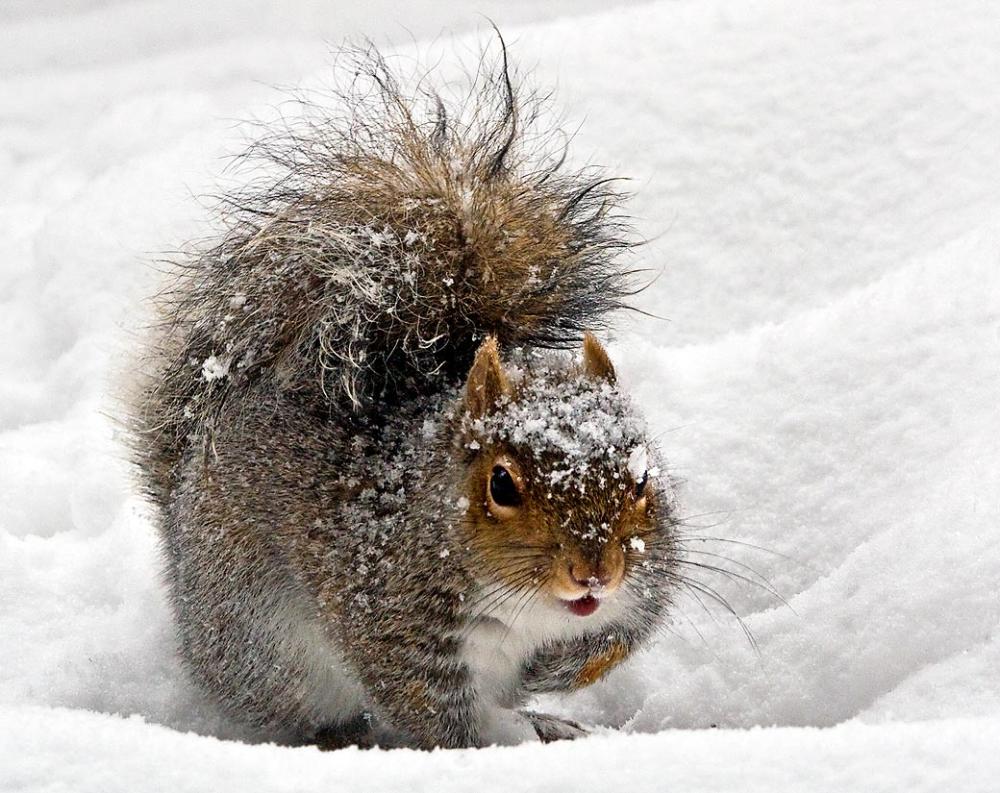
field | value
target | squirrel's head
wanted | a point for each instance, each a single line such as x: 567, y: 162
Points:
x: 565, y: 497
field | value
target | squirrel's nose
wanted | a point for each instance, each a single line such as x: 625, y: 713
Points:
x: 584, y: 574
x: 581, y: 573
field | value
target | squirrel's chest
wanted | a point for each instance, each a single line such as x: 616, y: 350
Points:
x: 495, y: 650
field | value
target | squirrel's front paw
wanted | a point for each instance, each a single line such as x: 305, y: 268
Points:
x: 552, y: 728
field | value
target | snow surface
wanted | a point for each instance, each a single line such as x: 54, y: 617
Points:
x: 821, y: 183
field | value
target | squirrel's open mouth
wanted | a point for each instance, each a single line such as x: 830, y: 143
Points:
x: 583, y: 607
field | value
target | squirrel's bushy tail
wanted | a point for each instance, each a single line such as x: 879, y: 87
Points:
x: 394, y: 230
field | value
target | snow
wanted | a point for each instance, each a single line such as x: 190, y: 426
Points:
x: 819, y: 184
x: 59, y: 750
x: 214, y: 368
x: 638, y: 463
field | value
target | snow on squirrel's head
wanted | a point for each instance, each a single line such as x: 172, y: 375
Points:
x: 564, y: 493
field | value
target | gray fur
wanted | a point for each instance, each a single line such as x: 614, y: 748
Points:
x: 322, y: 556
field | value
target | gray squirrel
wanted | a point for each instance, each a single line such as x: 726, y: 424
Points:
x: 377, y: 529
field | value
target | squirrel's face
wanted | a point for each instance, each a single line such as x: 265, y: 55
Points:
x: 565, y: 499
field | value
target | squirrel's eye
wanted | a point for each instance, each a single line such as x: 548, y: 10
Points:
x: 640, y: 486
x: 503, y: 491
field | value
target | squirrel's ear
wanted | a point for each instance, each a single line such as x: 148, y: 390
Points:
x: 487, y: 381
x: 596, y: 362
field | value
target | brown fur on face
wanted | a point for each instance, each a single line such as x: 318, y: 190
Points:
x: 567, y: 538
x: 568, y: 543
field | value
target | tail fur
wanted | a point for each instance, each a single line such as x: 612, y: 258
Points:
x: 392, y: 234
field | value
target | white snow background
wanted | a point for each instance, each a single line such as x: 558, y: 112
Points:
x: 821, y: 183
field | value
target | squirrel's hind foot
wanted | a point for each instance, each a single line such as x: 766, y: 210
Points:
x: 357, y: 732
x: 552, y: 728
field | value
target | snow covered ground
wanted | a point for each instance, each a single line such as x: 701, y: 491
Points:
x: 822, y: 187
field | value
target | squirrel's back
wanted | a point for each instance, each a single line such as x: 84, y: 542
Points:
x: 392, y: 233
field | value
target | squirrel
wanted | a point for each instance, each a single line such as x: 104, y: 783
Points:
x: 394, y: 504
